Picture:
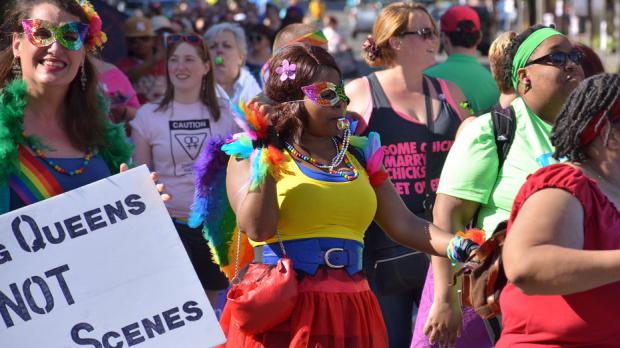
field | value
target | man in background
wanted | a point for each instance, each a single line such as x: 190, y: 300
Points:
x: 460, y: 35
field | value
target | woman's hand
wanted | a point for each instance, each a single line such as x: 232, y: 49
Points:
x: 443, y: 324
x: 154, y: 176
x: 261, y: 105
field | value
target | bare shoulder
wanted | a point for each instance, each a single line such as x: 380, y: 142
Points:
x: 359, y: 92
x: 357, y: 86
x: 456, y: 92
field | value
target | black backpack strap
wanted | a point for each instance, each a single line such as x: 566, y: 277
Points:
x: 504, y: 129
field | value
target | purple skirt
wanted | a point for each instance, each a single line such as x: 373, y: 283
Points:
x: 473, y: 333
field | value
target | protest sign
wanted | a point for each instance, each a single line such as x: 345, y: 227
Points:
x: 100, y: 266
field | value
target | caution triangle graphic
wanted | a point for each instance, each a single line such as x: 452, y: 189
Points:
x: 191, y: 143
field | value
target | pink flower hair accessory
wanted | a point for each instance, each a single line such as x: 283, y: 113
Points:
x: 286, y: 70
x: 96, y: 37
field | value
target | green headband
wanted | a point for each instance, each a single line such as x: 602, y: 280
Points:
x: 526, y: 49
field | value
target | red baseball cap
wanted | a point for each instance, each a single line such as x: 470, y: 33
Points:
x: 456, y: 14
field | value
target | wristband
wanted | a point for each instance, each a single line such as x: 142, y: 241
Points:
x: 463, y: 244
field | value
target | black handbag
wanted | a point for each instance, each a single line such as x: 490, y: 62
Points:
x: 400, y: 269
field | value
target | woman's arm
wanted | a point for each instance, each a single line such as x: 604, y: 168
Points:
x: 444, y: 319
x: 543, y: 252
x: 404, y: 227
x: 257, y: 210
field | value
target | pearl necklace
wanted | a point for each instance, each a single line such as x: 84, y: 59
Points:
x: 340, y: 155
x: 350, y: 172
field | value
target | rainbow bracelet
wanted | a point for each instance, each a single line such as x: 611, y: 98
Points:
x: 461, y: 246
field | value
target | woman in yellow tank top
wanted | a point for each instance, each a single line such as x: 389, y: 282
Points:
x: 320, y: 206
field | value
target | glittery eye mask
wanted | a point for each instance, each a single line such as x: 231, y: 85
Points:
x: 42, y: 33
x: 326, y: 93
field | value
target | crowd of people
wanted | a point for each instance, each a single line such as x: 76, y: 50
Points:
x: 369, y: 188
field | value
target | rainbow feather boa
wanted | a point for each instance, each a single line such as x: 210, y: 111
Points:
x: 212, y: 210
x: 211, y: 207
x: 263, y: 159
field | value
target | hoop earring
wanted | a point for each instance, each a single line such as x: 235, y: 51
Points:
x: 83, y: 78
x: 16, y: 69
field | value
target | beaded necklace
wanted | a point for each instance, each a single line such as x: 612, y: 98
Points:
x: 39, y: 153
x: 349, y: 173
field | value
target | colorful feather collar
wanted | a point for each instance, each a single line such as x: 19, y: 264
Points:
x: 12, y: 103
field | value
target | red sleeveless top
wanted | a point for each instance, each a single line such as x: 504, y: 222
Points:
x: 586, y: 319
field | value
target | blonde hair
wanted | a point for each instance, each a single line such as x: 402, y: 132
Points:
x: 497, y: 57
x: 392, y: 21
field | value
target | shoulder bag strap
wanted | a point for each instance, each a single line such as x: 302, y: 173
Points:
x: 429, y: 198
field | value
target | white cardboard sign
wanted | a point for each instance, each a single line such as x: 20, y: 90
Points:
x: 102, y: 267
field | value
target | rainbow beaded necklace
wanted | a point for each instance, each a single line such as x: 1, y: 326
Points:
x: 39, y: 153
x: 350, y: 173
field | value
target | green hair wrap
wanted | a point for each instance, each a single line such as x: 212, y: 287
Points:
x: 526, y: 49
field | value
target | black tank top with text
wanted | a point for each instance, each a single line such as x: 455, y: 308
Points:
x: 413, y: 150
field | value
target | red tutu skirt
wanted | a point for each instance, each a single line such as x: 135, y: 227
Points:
x: 333, y: 310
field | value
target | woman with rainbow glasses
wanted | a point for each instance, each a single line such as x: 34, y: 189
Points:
x: 56, y: 135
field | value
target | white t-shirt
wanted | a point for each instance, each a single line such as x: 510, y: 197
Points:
x: 176, y: 137
x: 245, y: 88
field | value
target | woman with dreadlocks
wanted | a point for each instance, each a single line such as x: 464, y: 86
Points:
x: 561, y: 254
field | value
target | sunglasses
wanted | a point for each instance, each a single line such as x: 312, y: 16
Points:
x: 255, y: 38
x: 326, y: 93
x: 559, y: 59
x: 193, y: 40
x: 42, y: 33
x: 424, y: 33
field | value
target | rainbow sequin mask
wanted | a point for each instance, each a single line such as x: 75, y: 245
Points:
x: 42, y: 33
x: 326, y: 93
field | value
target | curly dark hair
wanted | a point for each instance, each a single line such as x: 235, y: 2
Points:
x: 591, y: 64
x: 290, y: 119
x: 512, y: 48
x: 594, y: 95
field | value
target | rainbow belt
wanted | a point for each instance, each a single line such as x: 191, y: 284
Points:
x: 33, y: 181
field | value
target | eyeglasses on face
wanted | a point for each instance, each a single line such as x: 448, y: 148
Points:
x: 256, y: 37
x: 559, y: 59
x: 42, y: 33
x: 193, y: 40
x: 424, y: 33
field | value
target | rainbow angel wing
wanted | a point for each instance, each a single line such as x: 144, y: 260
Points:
x: 211, y: 207
x: 373, y: 155
x: 211, y: 210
